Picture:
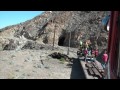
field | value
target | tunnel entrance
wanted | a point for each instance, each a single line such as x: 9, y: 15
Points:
x: 61, y: 41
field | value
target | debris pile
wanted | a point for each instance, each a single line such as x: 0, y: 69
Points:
x: 58, y: 55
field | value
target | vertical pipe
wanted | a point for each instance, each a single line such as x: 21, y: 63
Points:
x: 108, y: 74
x: 109, y: 43
x: 118, y: 69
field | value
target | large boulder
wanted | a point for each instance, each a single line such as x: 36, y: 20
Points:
x: 12, y: 45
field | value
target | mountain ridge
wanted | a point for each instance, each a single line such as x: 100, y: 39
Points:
x: 84, y: 25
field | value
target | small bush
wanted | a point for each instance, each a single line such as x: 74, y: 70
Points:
x: 62, y: 60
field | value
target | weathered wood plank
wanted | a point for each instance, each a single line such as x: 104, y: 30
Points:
x: 96, y: 72
x: 89, y: 65
x: 91, y: 72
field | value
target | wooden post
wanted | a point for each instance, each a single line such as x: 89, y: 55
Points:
x: 54, y: 37
x: 69, y: 43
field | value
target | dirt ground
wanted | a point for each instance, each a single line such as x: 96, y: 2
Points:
x: 36, y: 64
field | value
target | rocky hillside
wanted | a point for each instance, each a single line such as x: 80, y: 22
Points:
x: 84, y: 25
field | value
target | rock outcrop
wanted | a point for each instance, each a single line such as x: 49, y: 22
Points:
x: 83, y: 25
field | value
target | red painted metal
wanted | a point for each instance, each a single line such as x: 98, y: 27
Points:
x: 112, y: 43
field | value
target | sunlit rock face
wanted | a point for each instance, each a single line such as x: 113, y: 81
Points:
x: 83, y: 25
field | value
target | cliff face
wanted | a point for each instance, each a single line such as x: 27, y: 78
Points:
x: 83, y: 25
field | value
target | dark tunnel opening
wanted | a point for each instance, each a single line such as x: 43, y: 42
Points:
x: 61, y: 41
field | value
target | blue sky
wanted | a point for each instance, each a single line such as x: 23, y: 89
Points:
x: 14, y: 17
